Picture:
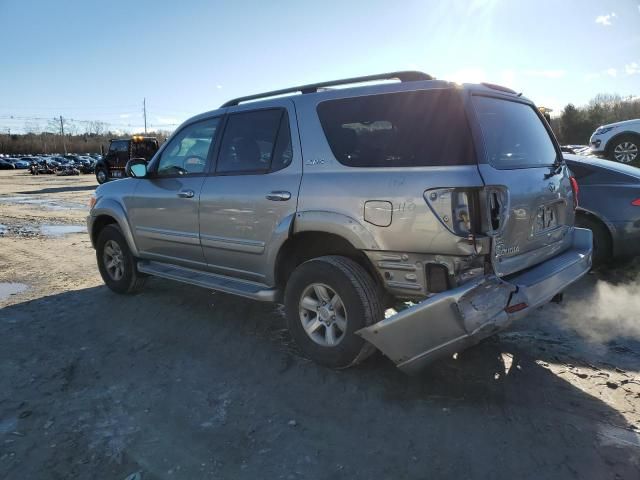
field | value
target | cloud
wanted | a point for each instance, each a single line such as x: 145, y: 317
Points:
x: 605, y: 20
x: 545, y: 73
x: 632, y: 68
x: 218, y: 87
x: 125, y: 115
x: 612, y: 72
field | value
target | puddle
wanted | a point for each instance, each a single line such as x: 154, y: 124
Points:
x: 8, y: 289
x: 60, y: 230
x: 3, y: 229
x: 46, y: 203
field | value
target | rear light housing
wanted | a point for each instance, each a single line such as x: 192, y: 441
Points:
x: 576, y: 189
x: 456, y: 208
x: 636, y: 202
x: 472, y: 211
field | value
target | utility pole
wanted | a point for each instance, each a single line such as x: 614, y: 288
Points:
x: 64, y: 143
x: 144, y: 109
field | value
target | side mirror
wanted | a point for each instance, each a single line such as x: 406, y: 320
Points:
x: 136, y: 168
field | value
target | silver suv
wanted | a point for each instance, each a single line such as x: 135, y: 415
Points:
x: 414, y: 217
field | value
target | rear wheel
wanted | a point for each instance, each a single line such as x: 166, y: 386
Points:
x: 116, y: 263
x: 602, y: 248
x: 327, y: 300
x: 625, y: 149
x: 101, y: 175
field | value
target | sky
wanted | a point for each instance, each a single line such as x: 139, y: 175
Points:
x: 97, y: 60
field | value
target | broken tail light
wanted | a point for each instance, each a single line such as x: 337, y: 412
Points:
x: 456, y: 208
x: 497, y: 208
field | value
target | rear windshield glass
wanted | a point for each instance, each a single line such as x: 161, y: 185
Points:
x: 407, y: 129
x: 514, y: 135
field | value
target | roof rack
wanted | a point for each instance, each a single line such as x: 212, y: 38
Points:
x: 404, y: 76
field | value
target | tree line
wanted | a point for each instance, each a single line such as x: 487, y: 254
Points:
x: 48, y: 142
x: 576, y: 124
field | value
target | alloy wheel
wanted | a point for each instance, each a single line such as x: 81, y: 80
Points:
x: 625, y: 152
x: 323, y: 315
x: 113, y: 260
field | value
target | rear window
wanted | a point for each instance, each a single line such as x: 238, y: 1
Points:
x: 407, y: 129
x: 513, y: 133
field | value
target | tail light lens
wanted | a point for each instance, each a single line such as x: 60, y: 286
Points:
x: 576, y: 190
x: 636, y: 202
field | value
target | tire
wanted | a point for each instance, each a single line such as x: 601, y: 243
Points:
x: 102, y: 176
x: 361, y: 302
x: 602, y: 248
x: 125, y: 279
x: 625, y: 149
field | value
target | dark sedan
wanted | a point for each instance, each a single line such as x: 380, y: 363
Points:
x: 609, y: 205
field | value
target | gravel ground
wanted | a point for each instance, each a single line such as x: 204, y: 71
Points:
x: 180, y: 382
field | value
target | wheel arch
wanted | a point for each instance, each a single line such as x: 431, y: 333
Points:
x: 606, y: 226
x: 110, y: 212
x: 611, y: 142
x: 306, y: 244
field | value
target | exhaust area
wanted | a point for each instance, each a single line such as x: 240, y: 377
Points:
x: 607, y: 309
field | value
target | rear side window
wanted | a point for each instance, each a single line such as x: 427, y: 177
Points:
x: 255, y: 142
x: 407, y: 129
x: 513, y: 133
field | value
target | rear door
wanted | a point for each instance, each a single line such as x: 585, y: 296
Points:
x: 250, y: 197
x: 528, y: 200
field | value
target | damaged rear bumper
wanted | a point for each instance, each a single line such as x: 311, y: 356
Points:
x: 454, y: 320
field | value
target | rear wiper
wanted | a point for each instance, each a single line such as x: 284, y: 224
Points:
x: 556, y: 168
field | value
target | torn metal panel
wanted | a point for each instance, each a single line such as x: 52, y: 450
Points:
x: 451, y: 321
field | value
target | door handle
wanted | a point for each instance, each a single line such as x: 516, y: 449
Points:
x: 186, y: 193
x: 278, y: 196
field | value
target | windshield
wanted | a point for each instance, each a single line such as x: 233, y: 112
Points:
x: 513, y: 133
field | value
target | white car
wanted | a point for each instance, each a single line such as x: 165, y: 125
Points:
x: 618, y: 141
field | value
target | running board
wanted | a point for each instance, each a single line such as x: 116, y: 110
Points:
x: 255, y: 291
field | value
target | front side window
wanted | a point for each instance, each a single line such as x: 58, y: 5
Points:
x: 188, y: 151
x: 513, y: 133
x: 406, y: 129
x: 255, y: 142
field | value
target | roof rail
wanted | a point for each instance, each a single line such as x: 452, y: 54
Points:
x: 405, y: 76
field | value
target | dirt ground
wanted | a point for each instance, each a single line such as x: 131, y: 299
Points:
x: 180, y: 382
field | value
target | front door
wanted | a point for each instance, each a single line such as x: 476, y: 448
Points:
x: 164, y: 208
x: 248, y: 200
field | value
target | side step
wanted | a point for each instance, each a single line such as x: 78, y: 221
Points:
x: 243, y: 288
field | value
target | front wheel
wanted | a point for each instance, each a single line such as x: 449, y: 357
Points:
x: 101, y: 175
x: 625, y: 149
x: 327, y: 300
x: 116, y: 262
